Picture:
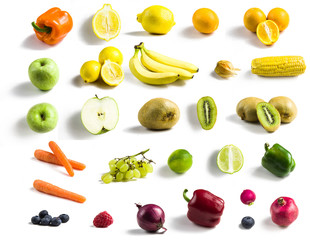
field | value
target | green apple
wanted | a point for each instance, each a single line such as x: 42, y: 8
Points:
x: 99, y: 115
x: 42, y: 117
x: 43, y: 73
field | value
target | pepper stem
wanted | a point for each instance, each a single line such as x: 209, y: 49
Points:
x: 37, y: 28
x: 267, y: 146
x: 184, y: 195
x: 281, y: 201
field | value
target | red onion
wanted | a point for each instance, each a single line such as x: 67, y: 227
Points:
x: 151, y: 217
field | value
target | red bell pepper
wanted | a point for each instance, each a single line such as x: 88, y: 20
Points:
x: 204, y: 208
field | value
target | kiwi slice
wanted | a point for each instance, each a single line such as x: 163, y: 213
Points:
x: 207, y: 112
x: 268, y: 116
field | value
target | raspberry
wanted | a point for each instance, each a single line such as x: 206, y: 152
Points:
x: 103, y: 220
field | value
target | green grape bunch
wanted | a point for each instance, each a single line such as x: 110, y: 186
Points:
x: 127, y: 168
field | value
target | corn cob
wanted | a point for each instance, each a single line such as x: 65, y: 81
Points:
x: 278, y: 66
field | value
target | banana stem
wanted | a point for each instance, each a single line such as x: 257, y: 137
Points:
x: 139, y: 46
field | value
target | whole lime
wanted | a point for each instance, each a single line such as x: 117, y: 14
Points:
x: 180, y: 161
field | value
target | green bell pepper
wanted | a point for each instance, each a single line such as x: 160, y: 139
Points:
x: 278, y: 160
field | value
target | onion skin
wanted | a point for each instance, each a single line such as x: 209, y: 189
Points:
x: 151, y: 217
x: 284, y: 211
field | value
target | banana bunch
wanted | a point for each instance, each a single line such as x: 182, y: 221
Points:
x: 157, y: 69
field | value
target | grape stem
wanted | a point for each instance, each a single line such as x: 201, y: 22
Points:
x: 137, y: 154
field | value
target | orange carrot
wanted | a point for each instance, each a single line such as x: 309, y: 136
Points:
x: 61, y: 157
x: 51, y: 158
x: 53, y: 190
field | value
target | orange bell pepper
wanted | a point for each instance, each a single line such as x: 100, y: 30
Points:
x: 53, y: 26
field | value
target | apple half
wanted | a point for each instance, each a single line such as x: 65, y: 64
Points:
x: 100, y: 115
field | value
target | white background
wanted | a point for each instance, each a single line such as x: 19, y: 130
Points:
x: 231, y: 41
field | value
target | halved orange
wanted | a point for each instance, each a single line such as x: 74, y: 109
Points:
x: 268, y: 32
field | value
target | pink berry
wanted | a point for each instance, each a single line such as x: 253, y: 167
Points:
x: 103, y: 220
x: 248, y: 197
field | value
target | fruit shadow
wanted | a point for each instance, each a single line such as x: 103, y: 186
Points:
x: 143, y: 130
x: 141, y: 34
x: 261, y: 172
x: 87, y: 34
x: 271, y: 226
x: 214, y: 75
x: 241, y: 32
x: 76, y: 128
x: 33, y: 43
x: 55, y: 167
x: 192, y: 116
x: 166, y: 172
x: 140, y: 231
x: 22, y: 128
x: 26, y: 89
x: 78, y: 82
x: 192, y: 33
x: 183, y: 224
x: 212, y: 165
x: 251, y: 127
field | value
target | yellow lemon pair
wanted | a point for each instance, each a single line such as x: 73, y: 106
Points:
x: 108, y: 67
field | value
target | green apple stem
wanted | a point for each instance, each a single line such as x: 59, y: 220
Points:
x: 39, y: 29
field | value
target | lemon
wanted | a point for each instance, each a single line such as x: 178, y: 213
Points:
x: 230, y: 159
x: 90, y: 71
x: 112, y: 73
x: 106, y: 23
x: 112, y: 54
x: 156, y: 19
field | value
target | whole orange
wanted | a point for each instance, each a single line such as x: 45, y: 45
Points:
x: 280, y: 17
x: 252, y: 18
x: 205, y: 20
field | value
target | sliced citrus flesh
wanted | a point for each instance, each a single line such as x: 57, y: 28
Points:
x: 112, y: 73
x: 268, y: 32
x: 106, y: 23
x: 230, y: 159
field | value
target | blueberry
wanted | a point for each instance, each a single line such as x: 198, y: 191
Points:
x: 247, y: 222
x: 48, y: 217
x: 43, y: 213
x: 64, y: 218
x: 35, y: 219
x: 44, y: 221
x: 55, y: 221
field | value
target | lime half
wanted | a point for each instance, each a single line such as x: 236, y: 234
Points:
x: 230, y: 159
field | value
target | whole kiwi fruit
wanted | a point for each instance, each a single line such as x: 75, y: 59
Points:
x: 246, y: 109
x: 159, y: 114
x: 286, y: 107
